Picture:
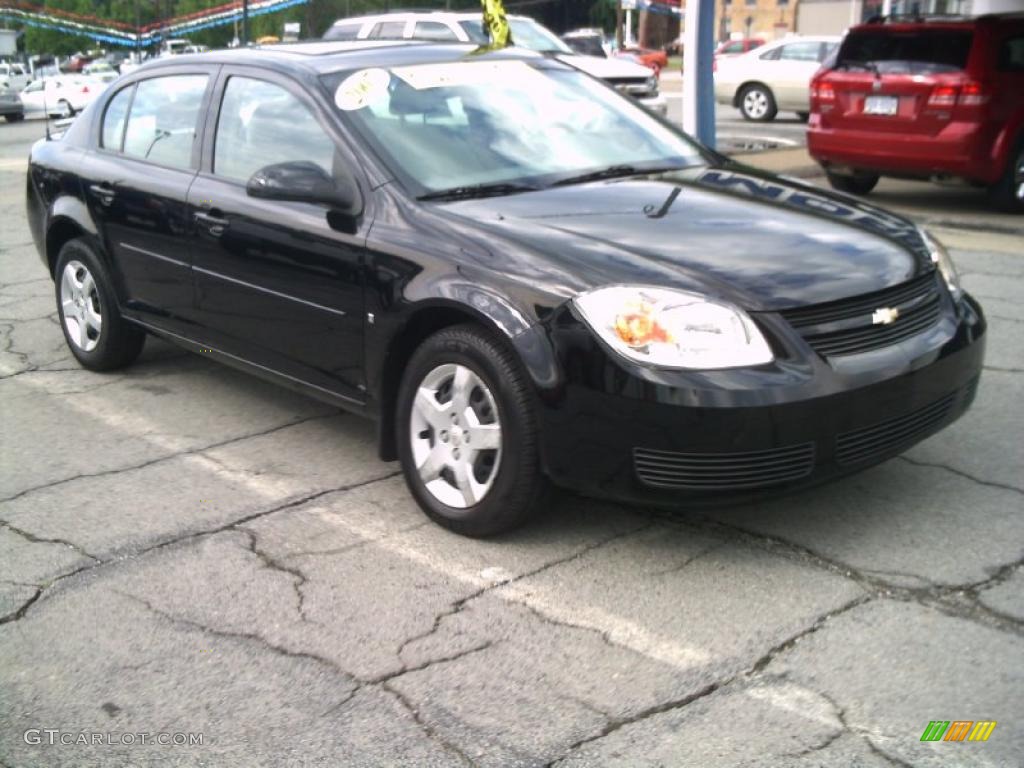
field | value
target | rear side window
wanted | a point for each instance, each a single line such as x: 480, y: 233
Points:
x: 1011, y: 55
x: 388, y: 30
x: 344, y: 31
x: 114, y: 117
x: 921, y: 52
x: 260, y: 124
x: 162, y: 124
x: 433, y: 30
x: 801, y: 52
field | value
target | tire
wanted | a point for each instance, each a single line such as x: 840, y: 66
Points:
x: 1008, y: 192
x: 757, y: 103
x: 855, y: 185
x: 85, y: 296
x: 803, y: 117
x: 65, y: 109
x: 467, y: 362
x: 14, y: 118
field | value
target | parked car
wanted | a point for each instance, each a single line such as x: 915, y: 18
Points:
x: 14, y: 75
x: 78, y: 62
x: 656, y: 60
x: 588, y: 42
x: 10, y: 105
x: 101, y: 71
x: 629, y: 77
x: 731, y: 48
x: 60, y: 97
x: 521, y: 275
x: 772, y: 77
x: 925, y: 99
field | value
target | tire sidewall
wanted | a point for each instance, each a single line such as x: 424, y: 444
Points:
x: 101, y: 355
x: 460, y: 349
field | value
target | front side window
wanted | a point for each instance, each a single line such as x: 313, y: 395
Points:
x: 485, y: 122
x: 162, y: 124
x: 114, y: 117
x: 388, y: 30
x: 261, y: 124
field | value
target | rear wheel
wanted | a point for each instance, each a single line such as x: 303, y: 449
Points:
x: 14, y: 118
x: 803, y: 116
x: 860, y: 184
x: 64, y: 109
x: 1008, y: 192
x: 467, y: 433
x: 758, y: 104
x: 95, y: 332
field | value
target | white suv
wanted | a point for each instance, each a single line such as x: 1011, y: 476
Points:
x: 629, y: 78
x: 13, y: 76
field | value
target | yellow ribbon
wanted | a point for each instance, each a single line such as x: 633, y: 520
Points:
x: 496, y: 24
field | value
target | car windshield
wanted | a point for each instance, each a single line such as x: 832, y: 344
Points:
x: 920, y: 52
x: 525, y: 34
x: 453, y: 125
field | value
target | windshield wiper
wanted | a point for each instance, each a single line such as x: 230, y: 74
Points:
x: 613, y: 172
x: 479, y: 190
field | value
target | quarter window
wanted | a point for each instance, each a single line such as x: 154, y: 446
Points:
x: 162, y: 124
x: 433, y: 30
x: 114, y: 117
x: 262, y: 124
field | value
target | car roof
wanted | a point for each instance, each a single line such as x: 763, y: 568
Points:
x: 321, y: 57
x: 427, y: 15
x: 912, y: 24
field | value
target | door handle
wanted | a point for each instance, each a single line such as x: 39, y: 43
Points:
x: 214, y: 224
x: 104, y: 192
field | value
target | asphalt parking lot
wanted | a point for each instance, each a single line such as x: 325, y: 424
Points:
x: 188, y: 550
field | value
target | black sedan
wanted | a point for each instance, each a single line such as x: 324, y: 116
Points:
x: 523, y: 276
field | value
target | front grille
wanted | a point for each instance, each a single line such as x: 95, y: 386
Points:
x: 870, y: 443
x: 720, y: 471
x: 846, y: 327
x: 638, y: 87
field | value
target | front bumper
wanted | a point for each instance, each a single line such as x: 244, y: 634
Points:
x: 657, y: 104
x: 690, y: 437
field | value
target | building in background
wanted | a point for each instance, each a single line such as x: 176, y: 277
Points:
x: 833, y: 17
x: 767, y: 19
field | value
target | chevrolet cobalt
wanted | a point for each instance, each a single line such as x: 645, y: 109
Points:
x: 523, y: 276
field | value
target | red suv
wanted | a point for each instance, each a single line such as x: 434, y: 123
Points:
x: 924, y: 99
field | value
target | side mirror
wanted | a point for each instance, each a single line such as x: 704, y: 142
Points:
x: 302, y: 182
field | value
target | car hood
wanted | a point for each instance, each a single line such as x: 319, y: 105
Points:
x: 606, y: 69
x: 762, y: 242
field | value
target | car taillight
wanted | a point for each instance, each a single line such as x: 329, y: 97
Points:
x: 824, y: 92
x: 85, y: 89
x: 973, y: 95
x: 943, y: 96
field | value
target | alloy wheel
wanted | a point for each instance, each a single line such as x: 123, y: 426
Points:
x: 455, y: 433
x: 755, y: 103
x: 80, y: 306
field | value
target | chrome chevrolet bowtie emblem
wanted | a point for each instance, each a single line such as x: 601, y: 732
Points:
x: 885, y: 316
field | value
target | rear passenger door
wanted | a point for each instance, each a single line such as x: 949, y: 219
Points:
x: 136, y: 180
x: 794, y: 69
x: 278, y: 284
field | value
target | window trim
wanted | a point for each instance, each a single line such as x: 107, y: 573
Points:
x: 342, y: 141
x: 96, y: 128
x: 106, y: 108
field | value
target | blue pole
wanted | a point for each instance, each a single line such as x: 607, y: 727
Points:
x: 698, y: 80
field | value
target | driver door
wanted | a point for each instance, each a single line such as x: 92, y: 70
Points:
x: 276, y: 285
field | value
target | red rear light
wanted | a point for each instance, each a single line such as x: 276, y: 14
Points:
x: 85, y: 89
x: 943, y: 96
x: 824, y: 92
x: 973, y: 95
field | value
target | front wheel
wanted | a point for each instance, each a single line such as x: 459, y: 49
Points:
x: 855, y: 185
x: 758, y: 104
x: 1008, y: 192
x: 14, y: 118
x: 467, y: 433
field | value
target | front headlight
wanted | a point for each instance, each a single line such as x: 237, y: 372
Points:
x: 944, y: 262
x: 673, y: 329
x: 652, y: 85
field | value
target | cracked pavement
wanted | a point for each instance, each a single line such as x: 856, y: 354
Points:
x: 185, y: 549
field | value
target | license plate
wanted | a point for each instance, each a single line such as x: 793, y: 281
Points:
x: 881, y: 105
